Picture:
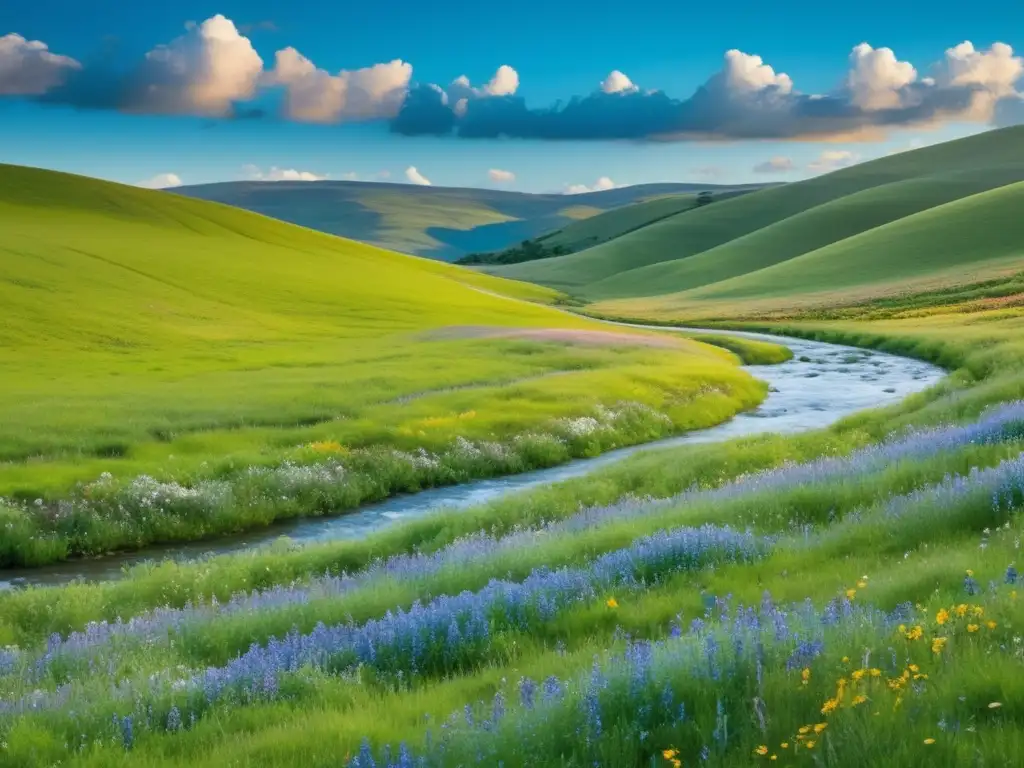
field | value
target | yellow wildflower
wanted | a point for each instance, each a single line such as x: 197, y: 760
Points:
x: 859, y: 699
x: 612, y: 603
x: 915, y: 634
x: 784, y: 745
x: 961, y: 610
x: 846, y: 659
x: 850, y: 593
x: 806, y: 675
x: 762, y: 750
x: 972, y: 627
x: 810, y: 743
x: 668, y: 754
x: 938, y: 644
x: 326, y: 446
x: 978, y: 611
x: 677, y: 763
x: 942, y: 616
x: 876, y: 672
x: 774, y: 757
x: 804, y: 729
x: 861, y: 584
x: 830, y: 706
x: 991, y: 624
x: 914, y: 668
x: 857, y: 674
x: 820, y: 727
x: 929, y: 741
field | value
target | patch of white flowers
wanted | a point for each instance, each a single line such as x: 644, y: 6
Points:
x: 145, y: 498
x: 290, y: 477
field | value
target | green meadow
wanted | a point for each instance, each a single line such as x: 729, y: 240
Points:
x: 844, y: 596
x: 152, y: 335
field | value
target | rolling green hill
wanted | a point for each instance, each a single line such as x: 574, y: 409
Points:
x: 439, y: 222
x: 769, y: 226
x: 144, y: 333
x: 617, y: 222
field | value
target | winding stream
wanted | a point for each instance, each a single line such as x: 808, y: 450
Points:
x: 820, y: 385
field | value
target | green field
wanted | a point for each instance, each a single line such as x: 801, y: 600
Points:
x: 841, y: 597
x: 150, y: 334
x: 918, y: 527
x: 770, y: 227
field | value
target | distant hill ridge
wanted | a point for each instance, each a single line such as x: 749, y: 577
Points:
x: 444, y: 223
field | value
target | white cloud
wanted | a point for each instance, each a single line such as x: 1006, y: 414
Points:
x: 254, y: 173
x: 777, y: 164
x: 415, y: 177
x: 501, y: 177
x: 28, y: 68
x: 747, y: 73
x: 992, y: 75
x: 315, y: 96
x: 602, y: 184
x: 877, y: 79
x: 617, y: 82
x: 203, y: 72
x: 832, y: 160
x: 161, y: 181
x: 504, y: 83
x: 461, y: 91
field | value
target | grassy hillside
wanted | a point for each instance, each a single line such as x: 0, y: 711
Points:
x: 769, y: 226
x: 966, y: 240
x: 616, y: 222
x: 442, y: 223
x: 847, y: 596
x: 149, y: 333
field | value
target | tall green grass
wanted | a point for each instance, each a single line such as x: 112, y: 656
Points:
x: 147, y: 333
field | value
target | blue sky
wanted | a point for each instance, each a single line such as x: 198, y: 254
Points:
x: 557, y: 49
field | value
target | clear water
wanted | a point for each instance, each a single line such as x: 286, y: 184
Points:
x: 820, y: 385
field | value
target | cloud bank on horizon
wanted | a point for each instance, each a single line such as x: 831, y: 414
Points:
x: 212, y: 70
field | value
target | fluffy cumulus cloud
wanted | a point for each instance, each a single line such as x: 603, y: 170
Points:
x: 314, y: 95
x: 602, y: 184
x: 203, y: 72
x: 833, y: 160
x: 499, y: 176
x: 990, y: 76
x: 877, y: 79
x: 777, y: 164
x: 161, y: 181
x: 213, y: 70
x: 746, y: 99
x: 255, y: 173
x: 617, y: 82
x: 28, y: 68
x: 415, y: 177
x: 430, y: 109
